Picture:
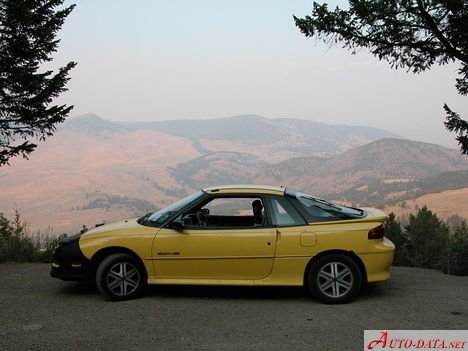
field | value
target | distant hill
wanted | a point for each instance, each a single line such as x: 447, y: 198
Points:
x: 248, y: 128
x: 289, y: 170
x: 445, y: 203
x: 93, y: 124
x: 259, y: 130
x: 216, y: 168
x: 278, y: 138
x: 379, y: 160
x: 390, y: 192
x: 94, y: 170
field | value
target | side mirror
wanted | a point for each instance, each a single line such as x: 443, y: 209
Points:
x: 177, y: 225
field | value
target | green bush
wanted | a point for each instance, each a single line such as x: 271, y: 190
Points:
x: 48, y: 251
x: 16, y: 245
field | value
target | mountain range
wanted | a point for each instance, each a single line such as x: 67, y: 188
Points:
x: 378, y: 160
x: 282, y: 138
x: 95, y: 170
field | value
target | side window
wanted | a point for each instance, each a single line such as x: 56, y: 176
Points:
x: 283, y: 213
x: 233, y: 212
x: 230, y: 206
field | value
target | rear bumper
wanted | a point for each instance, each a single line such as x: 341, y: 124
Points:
x: 379, y: 260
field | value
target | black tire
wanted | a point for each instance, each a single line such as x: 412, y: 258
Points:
x: 121, y: 277
x: 335, y: 279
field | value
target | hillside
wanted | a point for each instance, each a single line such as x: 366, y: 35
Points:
x: 445, y: 204
x: 379, y: 160
x: 272, y: 140
x: 389, y: 192
x: 74, y: 169
x: 216, y: 168
x: 93, y: 170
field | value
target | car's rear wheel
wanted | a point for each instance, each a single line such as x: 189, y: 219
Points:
x: 120, y: 277
x: 335, y: 279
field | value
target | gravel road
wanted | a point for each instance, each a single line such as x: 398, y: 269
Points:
x: 41, y: 313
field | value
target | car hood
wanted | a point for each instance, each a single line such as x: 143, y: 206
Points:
x: 126, y: 226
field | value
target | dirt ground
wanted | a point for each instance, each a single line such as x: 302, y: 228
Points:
x: 41, y: 313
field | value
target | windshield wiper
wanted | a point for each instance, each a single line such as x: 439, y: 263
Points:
x: 333, y: 212
x: 324, y: 202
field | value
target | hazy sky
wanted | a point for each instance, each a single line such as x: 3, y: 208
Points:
x: 173, y: 59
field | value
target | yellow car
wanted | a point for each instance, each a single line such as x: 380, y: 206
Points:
x: 235, y: 235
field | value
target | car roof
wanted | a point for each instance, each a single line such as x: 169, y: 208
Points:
x: 246, y: 189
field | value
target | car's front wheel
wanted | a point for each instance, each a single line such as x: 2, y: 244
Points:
x: 334, y: 279
x: 120, y: 277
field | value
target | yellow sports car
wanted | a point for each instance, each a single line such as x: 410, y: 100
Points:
x: 235, y: 235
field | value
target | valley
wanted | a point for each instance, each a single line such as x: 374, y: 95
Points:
x: 93, y: 170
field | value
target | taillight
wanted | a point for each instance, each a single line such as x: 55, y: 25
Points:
x: 376, y: 233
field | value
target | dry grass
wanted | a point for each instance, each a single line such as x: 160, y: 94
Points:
x: 445, y: 204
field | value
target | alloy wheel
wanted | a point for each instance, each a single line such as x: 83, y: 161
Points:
x: 123, y: 278
x: 335, y: 279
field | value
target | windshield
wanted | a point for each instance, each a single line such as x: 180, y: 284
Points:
x: 160, y: 216
x: 318, y: 209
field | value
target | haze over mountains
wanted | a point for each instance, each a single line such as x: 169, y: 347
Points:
x: 94, y: 170
x: 284, y: 137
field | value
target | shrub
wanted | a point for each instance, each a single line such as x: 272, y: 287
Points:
x: 14, y: 245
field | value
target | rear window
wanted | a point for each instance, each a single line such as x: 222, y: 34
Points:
x: 318, y: 210
x: 283, y: 213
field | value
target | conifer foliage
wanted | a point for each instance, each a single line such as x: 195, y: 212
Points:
x: 428, y: 242
x: 428, y: 238
x: 395, y: 233
x: 411, y: 34
x: 28, y: 38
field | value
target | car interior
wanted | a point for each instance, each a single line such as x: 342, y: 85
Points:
x: 227, y: 212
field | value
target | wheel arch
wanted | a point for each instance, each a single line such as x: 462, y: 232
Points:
x: 350, y: 254
x: 100, y: 255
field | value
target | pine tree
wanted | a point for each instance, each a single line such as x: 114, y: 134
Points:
x: 458, y: 254
x: 394, y: 232
x: 428, y: 240
x: 28, y: 30
x: 5, y: 227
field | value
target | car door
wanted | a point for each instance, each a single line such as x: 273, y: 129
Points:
x: 295, y: 238
x: 230, y: 246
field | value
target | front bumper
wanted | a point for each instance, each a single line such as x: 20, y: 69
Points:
x: 69, y: 263
x: 68, y: 271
